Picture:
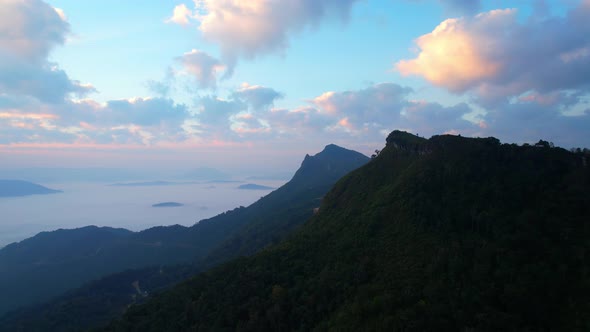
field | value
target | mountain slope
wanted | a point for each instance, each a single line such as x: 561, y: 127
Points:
x: 445, y: 234
x: 17, y: 188
x: 273, y: 218
x: 252, y: 228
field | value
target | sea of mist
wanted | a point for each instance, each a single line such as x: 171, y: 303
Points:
x: 130, y: 207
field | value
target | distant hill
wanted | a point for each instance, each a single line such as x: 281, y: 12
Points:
x: 17, y: 188
x: 252, y: 186
x: 167, y: 204
x: 205, y: 244
x: 439, y: 234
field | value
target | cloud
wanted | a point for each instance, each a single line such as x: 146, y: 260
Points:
x: 29, y: 30
x: 300, y: 121
x: 44, y: 81
x: 363, y: 109
x: 137, y: 120
x: 203, y: 67
x: 494, y: 56
x: 452, y: 55
x: 247, y: 124
x: 430, y: 118
x: 163, y: 87
x: 258, y: 97
x: 215, y: 111
x: 182, y: 15
x: 528, y: 121
x: 242, y: 113
x: 367, y: 114
x: 257, y: 27
x: 248, y: 114
x: 144, y: 112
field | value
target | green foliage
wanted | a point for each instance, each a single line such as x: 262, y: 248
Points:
x: 446, y: 234
x: 97, y: 302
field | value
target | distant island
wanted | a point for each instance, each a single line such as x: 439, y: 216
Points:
x: 167, y: 204
x: 18, y: 188
x: 252, y: 186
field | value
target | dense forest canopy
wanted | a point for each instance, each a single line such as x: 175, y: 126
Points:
x: 447, y: 233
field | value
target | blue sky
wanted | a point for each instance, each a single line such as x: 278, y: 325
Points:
x: 201, y: 83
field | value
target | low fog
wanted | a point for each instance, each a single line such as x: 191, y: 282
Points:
x: 130, y: 207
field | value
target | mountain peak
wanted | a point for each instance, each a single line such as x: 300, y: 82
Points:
x: 332, y: 147
x: 404, y: 140
x: 332, y: 163
x: 330, y: 158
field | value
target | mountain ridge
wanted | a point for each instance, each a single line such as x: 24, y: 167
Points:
x: 448, y: 233
x: 270, y: 218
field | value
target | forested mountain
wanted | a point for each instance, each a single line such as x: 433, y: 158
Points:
x: 36, y: 271
x: 17, y: 188
x: 444, y: 234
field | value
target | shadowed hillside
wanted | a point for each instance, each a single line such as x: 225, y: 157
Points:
x: 450, y: 233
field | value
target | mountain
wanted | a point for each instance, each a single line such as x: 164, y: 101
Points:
x: 253, y: 186
x: 167, y: 204
x: 17, y: 188
x: 276, y: 216
x: 444, y: 234
x: 269, y: 219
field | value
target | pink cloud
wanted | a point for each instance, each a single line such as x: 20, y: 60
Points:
x: 454, y: 54
x: 344, y: 123
x: 496, y: 56
x: 32, y: 116
x: 325, y: 102
x: 547, y: 100
x: 256, y: 27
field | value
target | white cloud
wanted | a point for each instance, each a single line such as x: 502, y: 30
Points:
x: 182, y: 15
x: 29, y: 30
x: 256, y: 27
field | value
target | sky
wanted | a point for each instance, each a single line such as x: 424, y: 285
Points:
x: 256, y: 84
